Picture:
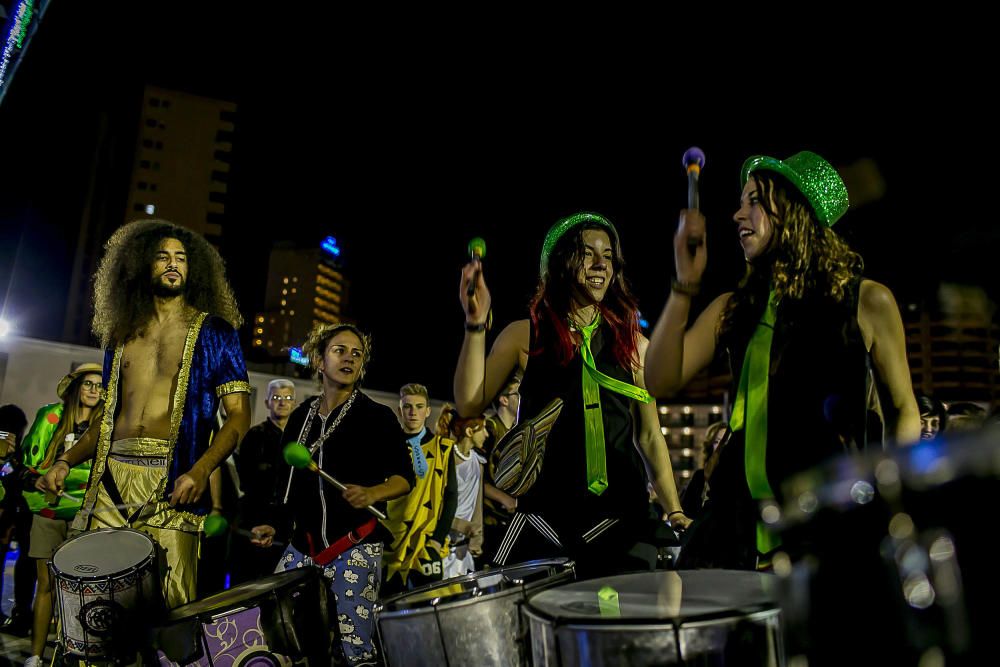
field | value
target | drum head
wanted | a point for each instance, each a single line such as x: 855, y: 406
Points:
x: 243, y: 593
x: 523, y: 576
x: 102, y: 553
x: 658, y: 597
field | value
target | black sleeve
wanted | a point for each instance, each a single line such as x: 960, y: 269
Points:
x: 245, y: 455
x: 279, y: 514
x: 450, y: 504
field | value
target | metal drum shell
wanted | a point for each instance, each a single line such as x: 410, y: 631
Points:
x: 468, y: 628
x: 743, y: 630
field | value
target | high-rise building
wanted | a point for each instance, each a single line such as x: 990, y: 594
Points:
x: 182, y: 160
x: 180, y: 173
x: 304, y: 287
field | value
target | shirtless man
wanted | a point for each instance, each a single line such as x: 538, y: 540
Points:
x: 165, y: 316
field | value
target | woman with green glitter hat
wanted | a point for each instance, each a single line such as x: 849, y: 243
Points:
x: 582, y: 345
x: 803, y: 333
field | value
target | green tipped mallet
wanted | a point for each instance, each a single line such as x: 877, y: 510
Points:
x: 297, y: 456
x: 477, y: 250
x: 215, y: 525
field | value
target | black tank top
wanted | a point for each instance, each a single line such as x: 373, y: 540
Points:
x: 560, y: 493
x: 817, y: 386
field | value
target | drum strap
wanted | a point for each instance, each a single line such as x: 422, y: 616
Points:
x: 356, y: 536
x: 108, y: 480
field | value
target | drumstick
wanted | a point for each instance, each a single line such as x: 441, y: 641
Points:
x: 297, y: 456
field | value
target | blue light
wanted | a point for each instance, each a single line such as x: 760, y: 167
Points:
x: 643, y: 324
x: 296, y: 357
x: 329, y: 244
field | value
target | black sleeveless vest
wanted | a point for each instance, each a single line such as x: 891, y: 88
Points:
x: 817, y: 385
x: 560, y: 493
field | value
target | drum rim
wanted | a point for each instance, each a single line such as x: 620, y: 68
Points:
x: 825, y: 487
x: 745, y: 612
x: 132, y: 569
x: 741, y: 610
x: 466, y: 597
x: 305, y: 574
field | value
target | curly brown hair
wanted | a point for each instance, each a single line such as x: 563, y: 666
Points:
x: 123, y: 298
x: 804, y: 257
x: 319, y: 338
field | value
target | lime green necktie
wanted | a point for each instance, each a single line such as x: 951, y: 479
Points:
x: 750, y: 413
x: 597, y: 463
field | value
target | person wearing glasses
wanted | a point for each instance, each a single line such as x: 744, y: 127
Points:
x: 255, y: 460
x: 55, y: 430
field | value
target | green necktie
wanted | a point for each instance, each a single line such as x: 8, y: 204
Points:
x: 750, y: 413
x: 597, y: 463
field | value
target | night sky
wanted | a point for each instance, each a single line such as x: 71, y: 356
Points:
x: 406, y: 143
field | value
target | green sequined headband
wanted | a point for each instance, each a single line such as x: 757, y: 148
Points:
x: 559, y: 230
x: 813, y: 176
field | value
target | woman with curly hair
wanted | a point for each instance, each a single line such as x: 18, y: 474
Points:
x: 581, y: 345
x: 357, y: 441
x: 166, y: 317
x: 802, y: 333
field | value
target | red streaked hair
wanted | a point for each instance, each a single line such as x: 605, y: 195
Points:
x: 552, y: 301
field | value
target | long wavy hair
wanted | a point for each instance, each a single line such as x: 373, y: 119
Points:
x: 123, y: 297
x: 70, y: 416
x: 554, y: 298
x: 804, y: 258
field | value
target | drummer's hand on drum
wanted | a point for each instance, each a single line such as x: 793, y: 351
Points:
x: 678, y: 521
x: 188, y: 488
x: 262, y: 536
x: 53, y: 480
x: 359, y: 497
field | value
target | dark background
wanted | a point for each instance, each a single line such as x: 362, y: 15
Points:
x: 406, y: 141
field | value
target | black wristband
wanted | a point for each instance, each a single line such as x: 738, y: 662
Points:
x: 670, y: 514
x: 475, y: 328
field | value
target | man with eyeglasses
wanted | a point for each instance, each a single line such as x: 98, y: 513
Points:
x: 255, y: 461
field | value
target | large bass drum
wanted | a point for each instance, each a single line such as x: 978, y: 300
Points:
x: 689, y: 617
x: 470, y: 620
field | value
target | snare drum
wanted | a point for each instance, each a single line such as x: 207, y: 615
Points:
x: 688, y: 617
x: 470, y: 620
x: 107, y: 588
x: 276, y: 620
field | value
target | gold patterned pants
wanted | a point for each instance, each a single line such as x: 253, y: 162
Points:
x: 137, y: 466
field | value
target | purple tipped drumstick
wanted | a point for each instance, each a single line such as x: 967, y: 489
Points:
x: 693, y: 161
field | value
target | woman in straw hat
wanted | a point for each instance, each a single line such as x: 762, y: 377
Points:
x: 55, y: 429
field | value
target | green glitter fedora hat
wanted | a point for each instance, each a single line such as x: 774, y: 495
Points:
x: 813, y: 176
x: 559, y: 230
